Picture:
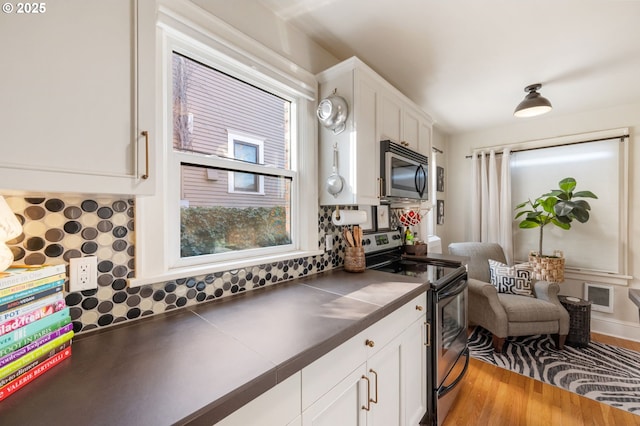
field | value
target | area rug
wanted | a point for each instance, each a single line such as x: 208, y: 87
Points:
x: 604, y: 373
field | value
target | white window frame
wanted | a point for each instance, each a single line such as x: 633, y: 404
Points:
x: 236, y: 137
x: 214, y: 43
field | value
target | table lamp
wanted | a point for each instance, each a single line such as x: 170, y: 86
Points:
x: 10, y: 228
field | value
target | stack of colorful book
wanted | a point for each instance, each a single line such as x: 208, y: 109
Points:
x: 35, y: 325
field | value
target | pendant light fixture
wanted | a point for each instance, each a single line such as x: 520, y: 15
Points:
x: 533, y: 103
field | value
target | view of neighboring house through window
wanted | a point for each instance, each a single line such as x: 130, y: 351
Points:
x: 251, y: 151
x: 232, y: 142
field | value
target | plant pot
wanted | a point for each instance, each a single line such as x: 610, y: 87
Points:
x: 547, y: 268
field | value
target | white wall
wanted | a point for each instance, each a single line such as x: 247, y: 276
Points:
x: 259, y: 23
x: 624, y: 321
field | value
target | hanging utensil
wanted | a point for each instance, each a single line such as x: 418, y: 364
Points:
x: 332, y: 112
x: 335, y: 182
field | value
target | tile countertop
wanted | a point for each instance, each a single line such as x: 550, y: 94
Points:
x: 197, y: 365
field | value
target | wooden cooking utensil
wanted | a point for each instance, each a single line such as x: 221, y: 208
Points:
x: 357, y: 235
x: 348, y: 237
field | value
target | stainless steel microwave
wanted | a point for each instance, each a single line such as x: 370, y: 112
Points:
x: 404, y: 173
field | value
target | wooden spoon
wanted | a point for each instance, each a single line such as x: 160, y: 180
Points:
x: 357, y: 235
x: 348, y: 237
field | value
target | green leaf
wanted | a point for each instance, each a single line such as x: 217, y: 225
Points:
x: 526, y: 224
x: 561, y: 224
x: 548, y: 203
x: 521, y: 205
x: 581, y: 215
x: 520, y: 214
x: 567, y: 184
x: 553, y: 193
x: 583, y: 204
x: 563, y: 208
x: 585, y: 194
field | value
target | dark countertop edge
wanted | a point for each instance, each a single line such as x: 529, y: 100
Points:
x: 224, y: 406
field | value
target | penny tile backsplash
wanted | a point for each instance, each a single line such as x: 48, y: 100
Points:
x: 56, y: 229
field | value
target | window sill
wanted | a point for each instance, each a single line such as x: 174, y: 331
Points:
x: 194, y: 271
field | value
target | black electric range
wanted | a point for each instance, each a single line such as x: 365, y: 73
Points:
x: 446, y: 317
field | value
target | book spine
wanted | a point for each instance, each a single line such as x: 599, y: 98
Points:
x: 29, y: 299
x: 11, y: 377
x: 10, y: 357
x: 35, y: 336
x: 19, y: 311
x: 34, y: 373
x: 31, y: 284
x: 30, y: 317
x: 32, y: 356
x: 34, y: 327
x: 31, y: 291
x: 30, y: 275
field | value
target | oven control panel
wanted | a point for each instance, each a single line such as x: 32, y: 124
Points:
x: 381, y: 241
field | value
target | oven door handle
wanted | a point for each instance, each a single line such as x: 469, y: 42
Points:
x: 445, y: 390
x: 459, y: 288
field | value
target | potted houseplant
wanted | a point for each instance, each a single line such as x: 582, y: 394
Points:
x: 558, y: 207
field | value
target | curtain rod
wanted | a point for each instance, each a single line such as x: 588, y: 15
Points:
x: 433, y: 148
x: 562, y: 144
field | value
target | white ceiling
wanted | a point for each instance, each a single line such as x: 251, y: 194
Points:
x: 466, y: 62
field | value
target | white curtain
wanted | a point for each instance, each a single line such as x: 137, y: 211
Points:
x: 492, y: 215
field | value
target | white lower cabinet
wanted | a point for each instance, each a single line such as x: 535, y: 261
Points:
x: 342, y: 404
x: 376, y: 378
x: 296, y: 422
x: 386, y: 388
x: 280, y: 405
x: 413, y: 372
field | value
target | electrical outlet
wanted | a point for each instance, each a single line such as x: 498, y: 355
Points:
x: 83, y: 273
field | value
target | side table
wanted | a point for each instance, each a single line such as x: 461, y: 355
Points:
x: 579, y: 320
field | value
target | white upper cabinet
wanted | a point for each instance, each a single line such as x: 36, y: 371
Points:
x: 356, y: 146
x: 78, y: 83
x: 401, y: 121
x: 390, y: 116
x: 377, y: 111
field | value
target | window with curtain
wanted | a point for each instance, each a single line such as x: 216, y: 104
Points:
x: 599, y: 244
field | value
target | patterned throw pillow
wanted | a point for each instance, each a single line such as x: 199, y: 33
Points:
x: 515, y: 279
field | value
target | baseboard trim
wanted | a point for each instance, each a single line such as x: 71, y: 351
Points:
x: 616, y: 328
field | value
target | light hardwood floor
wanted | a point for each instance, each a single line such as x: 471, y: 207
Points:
x: 492, y: 396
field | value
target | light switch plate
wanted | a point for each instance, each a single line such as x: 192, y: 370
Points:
x: 83, y: 273
x: 328, y: 243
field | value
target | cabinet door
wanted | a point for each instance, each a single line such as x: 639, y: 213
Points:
x: 390, y: 117
x: 410, y: 128
x: 342, y: 405
x: 280, y: 405
x: 424, y: 139
x: 72, y: 91
x: 413, y: 372
x: 366, y: 186
x: 383, y: 370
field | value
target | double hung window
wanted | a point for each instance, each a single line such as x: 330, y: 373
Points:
x: 235, y: 185
x: 239, y: 146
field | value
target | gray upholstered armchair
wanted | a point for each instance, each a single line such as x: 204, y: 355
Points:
x: 507, y: 315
